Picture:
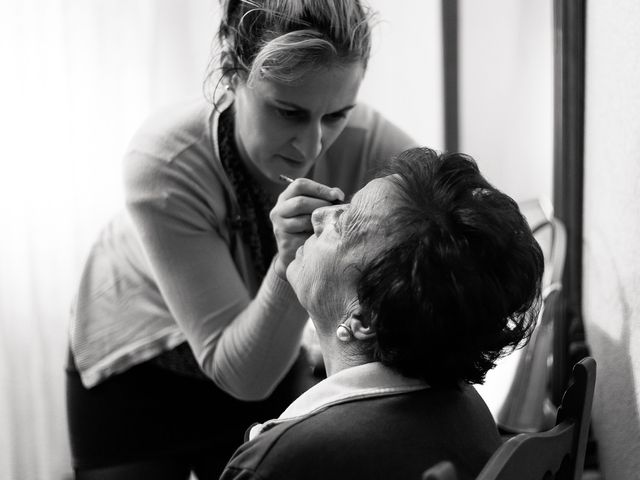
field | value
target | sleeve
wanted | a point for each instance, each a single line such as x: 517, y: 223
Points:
x: 368, y: 141
x: 245, y: 345
x: 383, y: 139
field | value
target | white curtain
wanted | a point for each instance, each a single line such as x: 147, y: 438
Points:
x: 506, y: 92
x: 76, y: 79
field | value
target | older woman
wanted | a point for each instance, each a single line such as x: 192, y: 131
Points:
x: 415, y: 289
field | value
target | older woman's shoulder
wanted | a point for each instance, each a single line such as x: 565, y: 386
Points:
x: 396, y: 436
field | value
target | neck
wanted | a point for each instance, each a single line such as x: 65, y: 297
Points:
x: 334, y: 365
x: 339, y: 355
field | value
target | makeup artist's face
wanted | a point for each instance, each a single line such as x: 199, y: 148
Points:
x: 326, y: 268
x: 284, y: 129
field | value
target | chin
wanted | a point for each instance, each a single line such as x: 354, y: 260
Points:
x: 291, y: 273
x: 295, y: 169
x: 295, y: 276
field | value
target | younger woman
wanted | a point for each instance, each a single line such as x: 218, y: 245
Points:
x: 185, y: 329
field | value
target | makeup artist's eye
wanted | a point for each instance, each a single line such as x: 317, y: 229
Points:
x: 289, y: 114
x: 336, y: 117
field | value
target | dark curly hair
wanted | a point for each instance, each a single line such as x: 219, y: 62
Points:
x: 459, y: 286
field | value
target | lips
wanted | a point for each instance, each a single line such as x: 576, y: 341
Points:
x: 292, y: 161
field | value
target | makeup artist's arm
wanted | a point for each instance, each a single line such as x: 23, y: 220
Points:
x: 245, y: 343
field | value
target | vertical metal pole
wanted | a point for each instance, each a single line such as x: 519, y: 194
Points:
x: 568, y: 160
x: 450, y: 64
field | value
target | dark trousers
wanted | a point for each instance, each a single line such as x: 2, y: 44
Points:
x: 150, y: 422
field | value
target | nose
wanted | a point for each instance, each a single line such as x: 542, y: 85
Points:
x: 308, y: 141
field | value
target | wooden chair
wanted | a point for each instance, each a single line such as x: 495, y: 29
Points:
x: 557, y: 453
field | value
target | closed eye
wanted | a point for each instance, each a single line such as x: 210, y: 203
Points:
x: 337, y: 227
x: 340, y: 219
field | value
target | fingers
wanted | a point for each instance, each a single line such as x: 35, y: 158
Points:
x: 291, y: 216
x: 288, y: 245
x: 302, y: 197
x: 292, y: 225
x: 304, y: 187
x: 297, y: 207
x: 294, y: 241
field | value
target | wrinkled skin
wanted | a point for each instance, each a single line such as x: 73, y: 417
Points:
x: 325, y: 271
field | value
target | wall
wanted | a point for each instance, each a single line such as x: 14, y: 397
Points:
x: 404, y: 79
x: 611, y: 303
x: 506, y: 92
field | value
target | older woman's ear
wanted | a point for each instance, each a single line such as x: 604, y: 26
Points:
x: 361, y: 330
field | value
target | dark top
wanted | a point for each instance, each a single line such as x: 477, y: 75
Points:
x: 392, y: 437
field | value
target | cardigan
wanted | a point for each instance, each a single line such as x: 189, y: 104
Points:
x: 173, y: 267
x: 369, y: 422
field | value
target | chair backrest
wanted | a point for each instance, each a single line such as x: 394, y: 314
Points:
x: 558, y: 452
x: 524, y: 388
x: 554, y: 454
x: 527, y: 407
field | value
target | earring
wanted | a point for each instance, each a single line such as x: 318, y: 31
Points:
x: 344, y: 333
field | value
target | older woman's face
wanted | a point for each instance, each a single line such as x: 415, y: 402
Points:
x: 326, y: 268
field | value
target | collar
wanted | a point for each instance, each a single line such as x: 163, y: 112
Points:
x: 354, y: 383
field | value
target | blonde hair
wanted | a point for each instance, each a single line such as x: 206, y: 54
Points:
x: 283, y: 40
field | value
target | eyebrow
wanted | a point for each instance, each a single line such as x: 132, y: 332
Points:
x: 302, y: 109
